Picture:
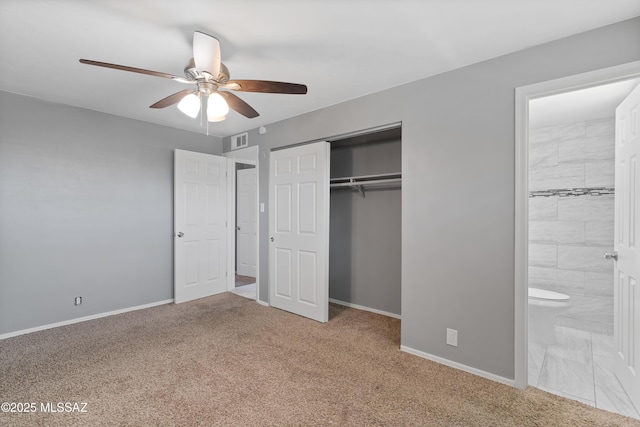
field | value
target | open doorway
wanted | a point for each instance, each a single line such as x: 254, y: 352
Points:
x: 564, y: 225
x: 243, y: 222
x: 246, y: 230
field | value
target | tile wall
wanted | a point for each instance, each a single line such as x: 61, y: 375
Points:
x: 569, y: 235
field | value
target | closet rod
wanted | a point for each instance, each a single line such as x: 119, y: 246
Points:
x: 365, y: 183
x: 365, y: 178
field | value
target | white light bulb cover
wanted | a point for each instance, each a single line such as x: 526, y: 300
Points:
x: 190, y: 105
x: 217, y: 108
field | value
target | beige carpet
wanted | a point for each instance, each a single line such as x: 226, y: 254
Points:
x: 226, y: 360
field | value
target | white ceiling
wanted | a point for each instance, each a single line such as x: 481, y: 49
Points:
x: 592, y: 103
x: 340, y: 49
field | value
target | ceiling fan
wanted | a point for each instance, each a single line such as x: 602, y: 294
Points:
x: 210, y: 75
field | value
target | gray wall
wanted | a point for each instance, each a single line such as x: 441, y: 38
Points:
x: 568, y: 235
x: 86, y: 209
x: 365, y: 232
x: 458, y: 187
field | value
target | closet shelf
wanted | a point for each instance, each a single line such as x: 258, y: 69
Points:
x: 357, y: 183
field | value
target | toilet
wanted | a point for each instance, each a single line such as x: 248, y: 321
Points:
x: 543, y: 307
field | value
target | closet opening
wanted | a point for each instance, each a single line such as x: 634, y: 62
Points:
x: 365, y: 221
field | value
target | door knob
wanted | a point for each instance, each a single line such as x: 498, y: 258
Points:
x: 611, y: 255
x: 180, y: 234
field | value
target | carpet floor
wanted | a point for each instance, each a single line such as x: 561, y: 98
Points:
x: 226, y: 360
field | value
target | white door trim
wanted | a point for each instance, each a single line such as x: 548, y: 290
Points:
x: 522, y: 97
x: 248, y: 156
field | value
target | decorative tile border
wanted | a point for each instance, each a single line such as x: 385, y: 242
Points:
x: 568, y: 192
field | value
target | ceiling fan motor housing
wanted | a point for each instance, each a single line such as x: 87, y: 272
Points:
x: 191, y: 73
x: 206, y: 87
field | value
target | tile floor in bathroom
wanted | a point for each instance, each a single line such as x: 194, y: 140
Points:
x: 580, y: 367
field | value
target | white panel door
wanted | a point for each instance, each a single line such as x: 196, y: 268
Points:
x: 299, y: 230
x: 246, y: 223
x: 627, y: 265
x: 200, y: 215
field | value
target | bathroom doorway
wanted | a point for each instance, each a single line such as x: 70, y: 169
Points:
x: 564, y: 226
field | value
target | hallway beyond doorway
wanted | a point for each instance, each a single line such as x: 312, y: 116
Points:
x: 245, y: 286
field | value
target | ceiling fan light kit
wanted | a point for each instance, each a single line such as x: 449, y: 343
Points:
x: 216, y: 107
x: 213, y: 119
x: 190, y: 105
x: 209, y: 74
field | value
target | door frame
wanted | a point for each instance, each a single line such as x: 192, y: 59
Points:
x: 523, y: 95
x: 248, y: 156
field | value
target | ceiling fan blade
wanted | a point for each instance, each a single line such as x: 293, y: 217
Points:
x: 206, y: 53
x: 135, y: 70
x: 239, y: 105
x: 266, y: 86
x: 172, y: 99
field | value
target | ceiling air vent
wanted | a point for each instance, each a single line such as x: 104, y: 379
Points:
x: 240, y: 141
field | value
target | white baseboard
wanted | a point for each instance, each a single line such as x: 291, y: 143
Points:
x: 459, y: 366
x: 84, y: 319
x: 361, y: 307
x: 266, y: 304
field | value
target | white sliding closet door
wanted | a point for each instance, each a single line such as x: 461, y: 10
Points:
x: 299, y: 230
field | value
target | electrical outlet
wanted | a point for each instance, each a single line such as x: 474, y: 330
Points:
x: 77, y: 301
x: 452, y: 337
